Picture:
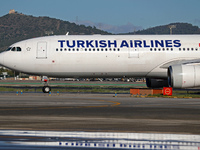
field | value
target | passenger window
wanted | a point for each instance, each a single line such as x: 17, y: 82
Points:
x: 13, y: 49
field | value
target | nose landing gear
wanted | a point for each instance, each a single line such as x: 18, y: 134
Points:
x: 46, y: 88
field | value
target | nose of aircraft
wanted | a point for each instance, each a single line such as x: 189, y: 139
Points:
x: 2, y: 58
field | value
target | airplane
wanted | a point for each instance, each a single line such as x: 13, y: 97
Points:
x: 164, y: 60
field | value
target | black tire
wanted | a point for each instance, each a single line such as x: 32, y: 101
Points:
x: 46, y: 89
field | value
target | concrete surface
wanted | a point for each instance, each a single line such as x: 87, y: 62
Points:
x: 99, y: 112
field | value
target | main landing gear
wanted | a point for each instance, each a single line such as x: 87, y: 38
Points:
x: 46, y: 88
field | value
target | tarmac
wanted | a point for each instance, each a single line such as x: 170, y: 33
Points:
x: 98, y: 113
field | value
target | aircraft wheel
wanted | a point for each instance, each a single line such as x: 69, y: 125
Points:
x: 46, y: 89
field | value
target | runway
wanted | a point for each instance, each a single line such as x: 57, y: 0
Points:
x: 99, y: 113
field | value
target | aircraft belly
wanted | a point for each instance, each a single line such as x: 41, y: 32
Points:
x: 94, y: 66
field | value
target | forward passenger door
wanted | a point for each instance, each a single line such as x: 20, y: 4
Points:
x: 41, y: 50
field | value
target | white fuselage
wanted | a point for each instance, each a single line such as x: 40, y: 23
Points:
x: 101, y: 55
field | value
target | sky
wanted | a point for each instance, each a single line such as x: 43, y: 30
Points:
x: 117, y: 16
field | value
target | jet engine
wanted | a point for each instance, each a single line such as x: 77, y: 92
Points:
x: 184, y: 76
x: 156, y: 83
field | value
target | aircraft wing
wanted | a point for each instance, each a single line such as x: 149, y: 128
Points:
x: 179, y: 62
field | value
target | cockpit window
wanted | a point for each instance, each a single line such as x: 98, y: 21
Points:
x: 13, y: 49
x: 9, y: 48
x: 18, y: 49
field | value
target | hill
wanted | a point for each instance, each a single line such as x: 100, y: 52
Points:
x: 15, y: 27
x: 180, y: 28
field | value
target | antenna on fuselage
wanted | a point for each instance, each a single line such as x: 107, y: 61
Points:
x: 67, y: 33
